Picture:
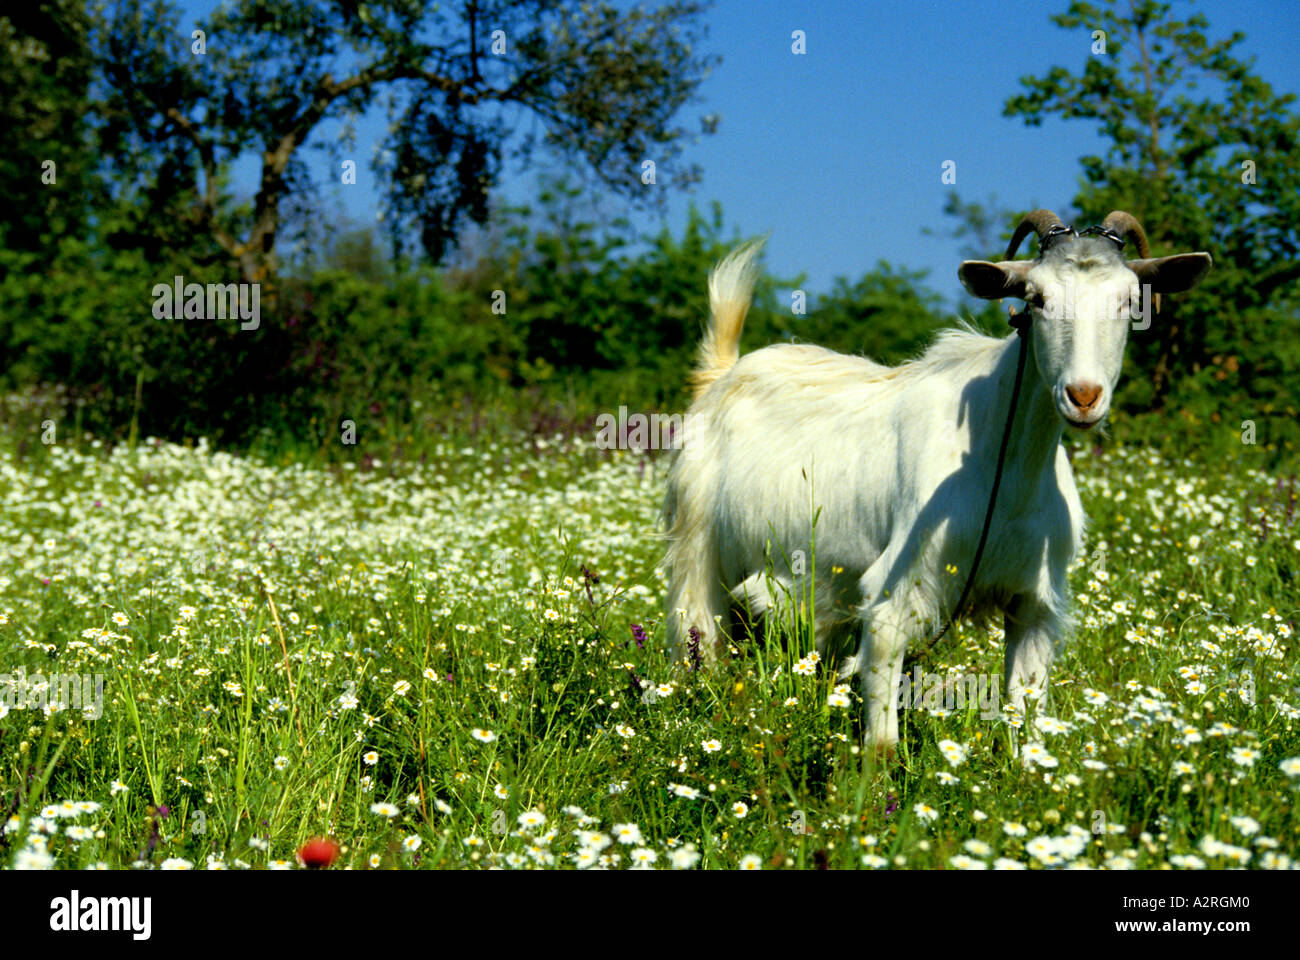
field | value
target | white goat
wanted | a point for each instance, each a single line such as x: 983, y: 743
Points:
x: 900, y: 462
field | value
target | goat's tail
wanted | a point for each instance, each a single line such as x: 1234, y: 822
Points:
x: 731, y: 284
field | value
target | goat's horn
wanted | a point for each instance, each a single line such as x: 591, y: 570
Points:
x: 1039, y: 221
x: 1127, y: 226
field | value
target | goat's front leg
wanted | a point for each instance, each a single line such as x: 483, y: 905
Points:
x: 880, y: 665
x: 1033, y: 630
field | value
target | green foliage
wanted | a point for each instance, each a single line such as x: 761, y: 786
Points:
x: 1202, y: 151
x: 45, y: 76
x: 89, y: 325
x: 887, y: 314
x: 552, y: 314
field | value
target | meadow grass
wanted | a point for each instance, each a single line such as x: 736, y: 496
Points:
x: 460, y: 663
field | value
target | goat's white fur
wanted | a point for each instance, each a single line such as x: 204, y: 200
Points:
x: 900, y: 461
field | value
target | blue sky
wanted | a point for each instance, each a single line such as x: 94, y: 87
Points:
x: 838, y: 153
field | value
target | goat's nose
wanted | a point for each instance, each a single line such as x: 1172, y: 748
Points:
x: 1083, y: 395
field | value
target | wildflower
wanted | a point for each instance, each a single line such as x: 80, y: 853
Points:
x: 1246, y: 825
x: 596, y: 840
x: 684, y: 858
x: 1043, y: 849
x: 316, y: 854
x: 643, y: 857
x: 751, y: 861
x: 1052, y: 725
x: 1244, y: 756
x: 531, y: 819
x: 627, y: 833
x: 1035, y: 754
x: 925, y: 812
x: 953, y: 752
x: 30, y: 859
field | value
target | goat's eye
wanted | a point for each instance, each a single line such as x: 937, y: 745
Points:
x: 1034, y: 298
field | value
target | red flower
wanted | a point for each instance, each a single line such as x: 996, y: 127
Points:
x: 318, y: 853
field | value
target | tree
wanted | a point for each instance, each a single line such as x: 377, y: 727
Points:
x: 1202, y: 171
x: 605, y: 85
x: 45, y: 76
x: 982, y: 229
x: 888, y: 315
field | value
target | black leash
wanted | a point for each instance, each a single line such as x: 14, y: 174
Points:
x: 1021, y: 323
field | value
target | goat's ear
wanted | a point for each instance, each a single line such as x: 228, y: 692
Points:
x: 993, y: 281
x: 1173, y: 274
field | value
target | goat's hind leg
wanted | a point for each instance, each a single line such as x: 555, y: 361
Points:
x: 696, y: 598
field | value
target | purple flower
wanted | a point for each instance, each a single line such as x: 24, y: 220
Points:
x: 693, y: 649
x: 638, y: 634
x: 588, y: 578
